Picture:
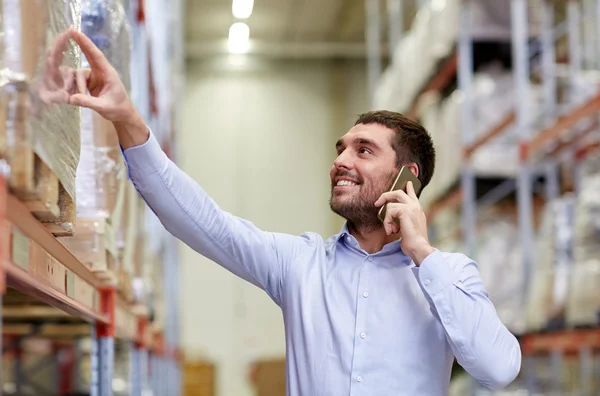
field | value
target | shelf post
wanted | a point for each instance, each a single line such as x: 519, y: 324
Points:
x: 395, y: 11
x: 105, y: 344
x: 548, y: 63
x: 373, y: 40
x: 4, y: 252
x: 574, y: 38
x: 586, y: 370
x: 556, y: 363
x: 465, y: 82
x: 139, y: 360
x: 521, y: 77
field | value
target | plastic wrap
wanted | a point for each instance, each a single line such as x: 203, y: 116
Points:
x: 584, y: 293
x: 553, y: 265
x: 105, y: 23
x: 101, y: 169
x: 94, y: 245
x: 430, y: 39
x: 501, y: 265
x: 33, y: 87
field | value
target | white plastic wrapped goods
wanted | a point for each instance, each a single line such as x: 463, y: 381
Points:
x: 584, y: 293
x: 101, y: 167
x: 553, y: 265
x: 430, y: 39
x: 34, y: 108
x: 501, y: 266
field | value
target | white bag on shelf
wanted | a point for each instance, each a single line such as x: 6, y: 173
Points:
x: 584, y: 294
x: 553, y: 266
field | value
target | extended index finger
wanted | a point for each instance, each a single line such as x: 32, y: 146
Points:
x: 94, y: 56
x: 410, y: 190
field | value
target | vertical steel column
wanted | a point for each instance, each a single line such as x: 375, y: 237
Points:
x: 465, y: 82
x: 586, y: 370
x: 77, y: 366
x: 4, y: 252
x: 373, y: 40
x: 18, y: 366
x: 105, y: 344
x: 135, y: 372
x: 597, y: 34
x: 574, y: 29
x: 552, y: 183
x: 548, y: 62
x: 524, y: 187
x: 94, y: 364
x: 395, y: 10
x: 556, y: 359
x: 589, y: 30
x: 529, y: 371
x: 107, y: 363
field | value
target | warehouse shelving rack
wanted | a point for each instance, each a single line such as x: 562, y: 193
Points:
x: 540, y: 153
x: 563, y: 135
x: 49, y: 274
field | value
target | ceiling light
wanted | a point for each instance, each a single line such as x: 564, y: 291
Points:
x: 239, y: 35
x: 242, y: 9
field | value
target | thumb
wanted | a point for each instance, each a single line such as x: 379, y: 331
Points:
x: 83, y: 100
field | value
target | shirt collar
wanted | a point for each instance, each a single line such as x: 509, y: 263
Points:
x: 392, y: 247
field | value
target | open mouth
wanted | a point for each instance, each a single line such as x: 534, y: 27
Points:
x: 346, y: 183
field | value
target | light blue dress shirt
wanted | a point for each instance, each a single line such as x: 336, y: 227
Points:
x: 356, y: 324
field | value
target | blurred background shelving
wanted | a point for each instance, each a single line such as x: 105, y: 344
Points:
x: 97, y: 298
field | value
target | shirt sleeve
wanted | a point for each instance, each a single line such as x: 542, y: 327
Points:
x: 188, y: 213
x: 483, y: 346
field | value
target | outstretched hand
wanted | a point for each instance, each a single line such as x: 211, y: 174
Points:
x: 405, y: 207
x: 98, y: 88
x: 107, y: 94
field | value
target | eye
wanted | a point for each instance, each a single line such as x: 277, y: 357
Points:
x: 364, y: 150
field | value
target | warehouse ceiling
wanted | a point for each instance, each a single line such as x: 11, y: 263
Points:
x: 281, y: 28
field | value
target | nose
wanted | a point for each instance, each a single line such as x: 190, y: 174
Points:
x: 343, y: 161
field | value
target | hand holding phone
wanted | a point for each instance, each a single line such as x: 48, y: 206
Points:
x: 404, y: 176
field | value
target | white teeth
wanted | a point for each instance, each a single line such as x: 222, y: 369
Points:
x: 345, y: 183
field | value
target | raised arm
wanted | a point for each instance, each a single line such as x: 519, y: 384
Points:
x: 183, y: 207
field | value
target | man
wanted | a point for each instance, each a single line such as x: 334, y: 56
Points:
x: 374, y: 310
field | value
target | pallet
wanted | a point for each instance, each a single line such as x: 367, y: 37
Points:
x: 38, y: 187
x: 94, y: 245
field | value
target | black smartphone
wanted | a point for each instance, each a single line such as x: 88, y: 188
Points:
x: 404, y: 176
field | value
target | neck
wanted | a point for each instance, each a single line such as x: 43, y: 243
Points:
x: 371, y: 238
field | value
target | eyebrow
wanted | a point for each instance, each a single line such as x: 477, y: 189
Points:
x: 363, y: 141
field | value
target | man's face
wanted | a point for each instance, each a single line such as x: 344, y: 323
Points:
x: 364, y: 169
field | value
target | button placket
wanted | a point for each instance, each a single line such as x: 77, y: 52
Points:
x: 360, y: 348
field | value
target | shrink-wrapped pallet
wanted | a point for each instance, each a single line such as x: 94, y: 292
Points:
x: 39, y: 129
x: 500, y: 262
x: 553, y: 265
x: 101, y: 168
x: 583, y: 307
x: 101, y: 175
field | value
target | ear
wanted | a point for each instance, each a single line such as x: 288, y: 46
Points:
x: 414, y: 168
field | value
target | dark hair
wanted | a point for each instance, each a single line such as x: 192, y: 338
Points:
x: 411, y: 141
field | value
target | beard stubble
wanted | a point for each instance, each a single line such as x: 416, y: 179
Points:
x: 359, y: 209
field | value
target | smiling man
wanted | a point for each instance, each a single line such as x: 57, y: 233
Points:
x: 373, y: 310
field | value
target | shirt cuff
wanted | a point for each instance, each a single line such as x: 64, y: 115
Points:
x: 145, y: 159
x: 435, y: 273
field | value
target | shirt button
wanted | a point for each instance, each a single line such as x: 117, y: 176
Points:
x: 363, y: 335
x: 447, y: 321
x: 427, y: 282
x: 359, y: 378
x: 365, y: 294
x: 370, y: 258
